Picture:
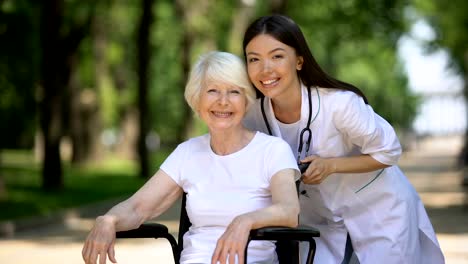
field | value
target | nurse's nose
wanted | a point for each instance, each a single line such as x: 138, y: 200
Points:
x: 267, y: 66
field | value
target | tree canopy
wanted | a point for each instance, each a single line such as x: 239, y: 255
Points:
x: 96, y: 98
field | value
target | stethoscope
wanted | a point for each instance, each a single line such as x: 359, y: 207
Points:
x: 305, y: 137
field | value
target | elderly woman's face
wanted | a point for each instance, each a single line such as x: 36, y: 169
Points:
x: 222, y: 106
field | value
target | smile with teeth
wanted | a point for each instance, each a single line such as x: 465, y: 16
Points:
x: 268, y: 82
x: 222, y: 114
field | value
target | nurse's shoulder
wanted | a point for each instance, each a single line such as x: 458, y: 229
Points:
x: 338, y: 97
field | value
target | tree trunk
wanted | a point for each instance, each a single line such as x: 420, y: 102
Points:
x: 3, y: 190
x: 56, y: 64
x: 78, y: 137
x: 278, y: 7
x: 52, y: 85
x: 86, y: 121
x: 463, y: 157
x: 187, y: 41
x: 144, y: 55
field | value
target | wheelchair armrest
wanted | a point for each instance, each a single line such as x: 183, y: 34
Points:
x: 300, y: 233
x: 152, y: 230
x: 147, y: 230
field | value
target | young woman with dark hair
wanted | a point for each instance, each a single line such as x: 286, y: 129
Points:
x: 352, y: 189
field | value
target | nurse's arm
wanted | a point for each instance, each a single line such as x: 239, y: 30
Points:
x: 356, y: 164
x: 320, y: 168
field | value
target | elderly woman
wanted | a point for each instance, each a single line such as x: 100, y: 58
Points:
x: 235, y: 179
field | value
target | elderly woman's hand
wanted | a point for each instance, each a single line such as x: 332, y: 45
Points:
x: 233, y: 241
x: 100, y: 242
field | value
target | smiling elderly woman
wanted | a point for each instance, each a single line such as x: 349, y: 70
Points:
x: 235, y: 179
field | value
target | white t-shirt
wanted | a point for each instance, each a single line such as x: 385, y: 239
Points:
x: 221, y: 187
x: 289, y: 133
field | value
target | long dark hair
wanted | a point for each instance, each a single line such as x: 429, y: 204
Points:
x: 285, y: 30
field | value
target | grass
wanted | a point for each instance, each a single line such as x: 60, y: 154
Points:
x: 110, y: 178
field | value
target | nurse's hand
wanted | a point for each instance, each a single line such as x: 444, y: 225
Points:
x: 232, y: 243
x: 319, y: 169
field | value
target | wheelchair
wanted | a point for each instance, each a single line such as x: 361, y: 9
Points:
x: 287, y: 239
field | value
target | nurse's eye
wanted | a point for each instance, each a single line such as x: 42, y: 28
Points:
x: 278, y: 56
x: 250, y: 60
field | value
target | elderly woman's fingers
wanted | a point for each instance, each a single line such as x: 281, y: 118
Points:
x: 111, y: 253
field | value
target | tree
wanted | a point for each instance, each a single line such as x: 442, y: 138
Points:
x: 200, y: 32
x: 18, y: 73
x: 144, y: 55
x: 186, y: 46
x: 356, y: 41
x: 58, y: 49
x: 3, y: 190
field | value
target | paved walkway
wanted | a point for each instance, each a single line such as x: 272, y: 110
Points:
x: 430, y: 167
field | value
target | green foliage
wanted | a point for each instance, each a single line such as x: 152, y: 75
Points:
x: 116, y: 83
x: 167, y: 81
x: 355, y: 41
x: 223, y: 22
x: 450, y: 21
x: 166, y: 86
x: 18, y: 73
x: 107, y: 64
x: 375, y: 68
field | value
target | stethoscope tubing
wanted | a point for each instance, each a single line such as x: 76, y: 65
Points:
x: 306, y: 131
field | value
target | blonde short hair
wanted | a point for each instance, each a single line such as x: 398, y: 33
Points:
x: 218, y: 66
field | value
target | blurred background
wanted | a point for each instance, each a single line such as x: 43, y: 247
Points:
x: 91, y: 92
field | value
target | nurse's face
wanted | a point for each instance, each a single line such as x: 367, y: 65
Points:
x: 222, y: 106
x: 272, y: 66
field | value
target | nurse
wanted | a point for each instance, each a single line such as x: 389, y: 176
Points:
x: 352, y: 191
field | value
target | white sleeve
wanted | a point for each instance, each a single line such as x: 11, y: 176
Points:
x: 279, y: 157
x: 366, y: 129
x: 172, y: 165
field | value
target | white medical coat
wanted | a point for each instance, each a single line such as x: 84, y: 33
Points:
x: 381, y: 210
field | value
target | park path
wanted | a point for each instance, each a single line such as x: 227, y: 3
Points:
x: 430, y: 166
